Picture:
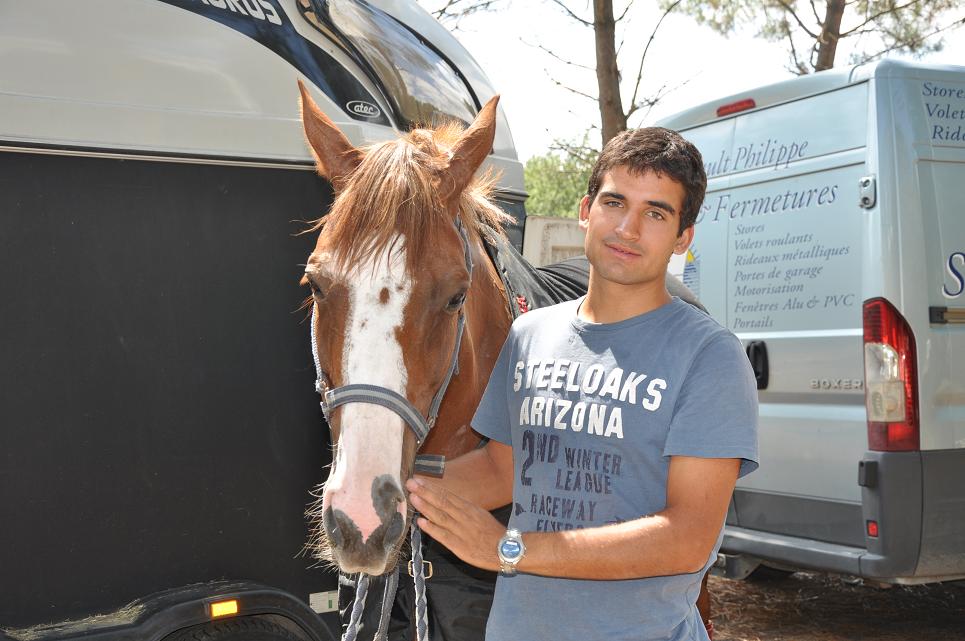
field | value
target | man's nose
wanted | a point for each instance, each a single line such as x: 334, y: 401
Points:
x: 629, y: 227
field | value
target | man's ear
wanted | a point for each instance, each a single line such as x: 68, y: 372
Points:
x: 584, y: 212
x: 682, y: 244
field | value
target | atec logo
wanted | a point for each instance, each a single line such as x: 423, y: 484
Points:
x: 362, y: 108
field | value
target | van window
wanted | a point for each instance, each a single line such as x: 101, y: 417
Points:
x: 419, y: 83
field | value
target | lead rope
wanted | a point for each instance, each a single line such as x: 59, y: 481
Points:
x: 361, y: 591
x: 419, y: 580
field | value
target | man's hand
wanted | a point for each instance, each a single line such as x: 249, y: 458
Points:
x: 470, y: 532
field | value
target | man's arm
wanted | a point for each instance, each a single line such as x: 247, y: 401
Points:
x: 483, y: 476
x: 676, y: 540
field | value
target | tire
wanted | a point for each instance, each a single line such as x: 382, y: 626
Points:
x: 237, y: 629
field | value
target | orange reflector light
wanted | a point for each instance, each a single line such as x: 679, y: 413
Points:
x: 734, y: 107
x: 224, y: 608
x: 873, y: 529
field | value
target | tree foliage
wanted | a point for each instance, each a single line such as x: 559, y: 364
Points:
x: 557, y: 180
x: 812, y: 29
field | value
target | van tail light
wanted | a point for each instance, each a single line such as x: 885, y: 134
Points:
x: 891, y: 379
x: 735, y: 107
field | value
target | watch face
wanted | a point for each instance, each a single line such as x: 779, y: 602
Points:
x: 511, y: 549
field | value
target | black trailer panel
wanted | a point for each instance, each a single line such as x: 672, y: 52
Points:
x: 159, y: 427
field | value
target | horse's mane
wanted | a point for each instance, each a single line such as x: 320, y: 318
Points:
x: 395, y: 191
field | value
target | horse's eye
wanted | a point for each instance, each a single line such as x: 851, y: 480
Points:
x: 456, y: 302
x: 319, y: 285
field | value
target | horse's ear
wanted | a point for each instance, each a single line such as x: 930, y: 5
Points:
x: 469, y: 152
x: 335, y: 156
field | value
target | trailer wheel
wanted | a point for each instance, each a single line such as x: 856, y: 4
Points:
x: 237, y: 629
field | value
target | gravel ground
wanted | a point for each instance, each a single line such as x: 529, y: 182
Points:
x: 819, y: 607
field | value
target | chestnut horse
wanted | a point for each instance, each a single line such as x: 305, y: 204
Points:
x: 389, y: 282
x: 403, y: 292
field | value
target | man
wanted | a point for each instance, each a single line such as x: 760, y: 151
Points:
x: 619, y: 424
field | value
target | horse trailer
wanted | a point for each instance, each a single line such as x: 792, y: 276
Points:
x: 831, y: 242
x: 159, y: 433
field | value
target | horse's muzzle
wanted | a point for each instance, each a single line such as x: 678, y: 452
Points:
x: 356, y: 545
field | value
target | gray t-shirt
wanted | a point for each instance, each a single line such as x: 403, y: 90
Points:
x: 593, y: 413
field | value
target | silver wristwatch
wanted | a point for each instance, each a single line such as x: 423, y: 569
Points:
x: 510, y: 550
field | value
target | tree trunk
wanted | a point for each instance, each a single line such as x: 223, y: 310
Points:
x: 830, y: 32
x: 612, y: 117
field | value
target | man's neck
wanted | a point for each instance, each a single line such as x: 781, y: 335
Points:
x: 609, y: 302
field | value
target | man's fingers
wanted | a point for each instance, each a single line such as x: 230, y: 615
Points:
x: 432, y: 529
x: 433, y: 507
x: 437, y: 497
x: 444, y: 536
x: 426, y: 489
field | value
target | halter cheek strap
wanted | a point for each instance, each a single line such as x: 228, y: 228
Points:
x: 377, y: 395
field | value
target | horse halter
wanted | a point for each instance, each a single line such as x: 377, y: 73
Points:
x: 429, y: 464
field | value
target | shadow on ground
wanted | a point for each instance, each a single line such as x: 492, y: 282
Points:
x: 819, y: 607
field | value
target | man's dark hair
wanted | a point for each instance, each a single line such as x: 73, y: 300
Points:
x: 661, y: 151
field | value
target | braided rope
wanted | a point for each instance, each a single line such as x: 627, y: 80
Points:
x: 361, y: 591
x: 388, y: 596
x: 419, y: 579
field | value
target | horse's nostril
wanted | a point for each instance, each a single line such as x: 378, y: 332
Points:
x: 330, y: 524
x: 393, y: 531
x: 386, y: 496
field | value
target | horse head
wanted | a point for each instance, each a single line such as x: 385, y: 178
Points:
x: 390, y: 276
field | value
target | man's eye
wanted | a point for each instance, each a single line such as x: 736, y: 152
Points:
x: 656, y: 214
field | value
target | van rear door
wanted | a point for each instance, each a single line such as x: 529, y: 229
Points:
x: 921, y: 142
x: 941, y: 182
x: 777, y: 257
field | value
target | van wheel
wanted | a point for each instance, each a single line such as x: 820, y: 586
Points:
x: 237, y: 629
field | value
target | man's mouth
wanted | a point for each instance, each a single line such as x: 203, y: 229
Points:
x: 621, y: 250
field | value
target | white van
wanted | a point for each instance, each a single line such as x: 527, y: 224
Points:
x: 832, y: 242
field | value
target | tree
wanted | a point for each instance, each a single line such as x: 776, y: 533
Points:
x: 872, y: 27
x: 613, y: 116
x: 606, y: 26
x: 452, y: 11
x: 557, y: 180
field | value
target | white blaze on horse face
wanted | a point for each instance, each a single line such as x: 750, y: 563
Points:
x: 370, y: 440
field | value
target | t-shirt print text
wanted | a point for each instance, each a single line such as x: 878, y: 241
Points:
x: 602, y: 417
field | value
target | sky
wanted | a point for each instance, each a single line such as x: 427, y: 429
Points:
x: 694, y: 61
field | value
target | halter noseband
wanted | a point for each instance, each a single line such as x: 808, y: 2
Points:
x: 390, y: 399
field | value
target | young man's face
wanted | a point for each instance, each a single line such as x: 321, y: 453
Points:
x: 631, y: 226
